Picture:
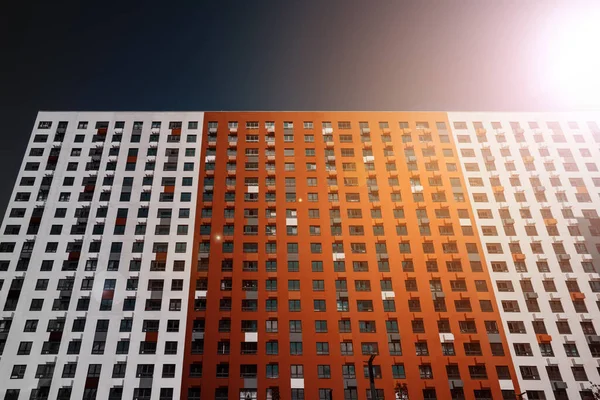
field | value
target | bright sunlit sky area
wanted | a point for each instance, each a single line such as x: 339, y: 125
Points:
x: 567, y: 54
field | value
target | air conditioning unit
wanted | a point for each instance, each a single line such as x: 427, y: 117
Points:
x: 593, y: 339
x: 559, y: 385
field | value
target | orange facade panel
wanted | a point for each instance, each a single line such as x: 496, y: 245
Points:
x: 331, y: 255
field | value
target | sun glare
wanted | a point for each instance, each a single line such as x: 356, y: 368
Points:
x: 573, y: 66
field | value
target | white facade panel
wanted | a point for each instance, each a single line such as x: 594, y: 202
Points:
x: 534, y: 185
x: 105, y: 193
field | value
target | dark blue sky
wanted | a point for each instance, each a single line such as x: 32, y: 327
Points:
x: 276, y: 55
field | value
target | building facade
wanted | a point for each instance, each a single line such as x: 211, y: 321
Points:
x: 534, y: 186
x: 265, y: 255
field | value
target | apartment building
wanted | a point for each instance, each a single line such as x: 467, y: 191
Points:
x: 269, y: 255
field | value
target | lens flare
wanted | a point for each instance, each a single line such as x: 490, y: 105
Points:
x: 573, y: 63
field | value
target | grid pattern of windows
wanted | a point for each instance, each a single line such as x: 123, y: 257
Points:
x: 95, y: 251
x: 321, y: 247
x: 534, y: 183
x: 268, y: 255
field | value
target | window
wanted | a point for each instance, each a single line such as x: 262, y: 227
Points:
x: 272, y: 371
x: 425, y: 371
x: 295, y: 349
x: 294, y: 305
x: 24, y: 348
x: 579, y: 373
x: 272, y: 326
x: 321, y: 326
x: 318, y: 285
x: 173, y: 325
x: 319, y: 305
x: 18, y: 372
x: 324, y: 372
x: 322, y: 348
x: 347, y: 348
x: 30, y: 325
x: 529, y: 372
